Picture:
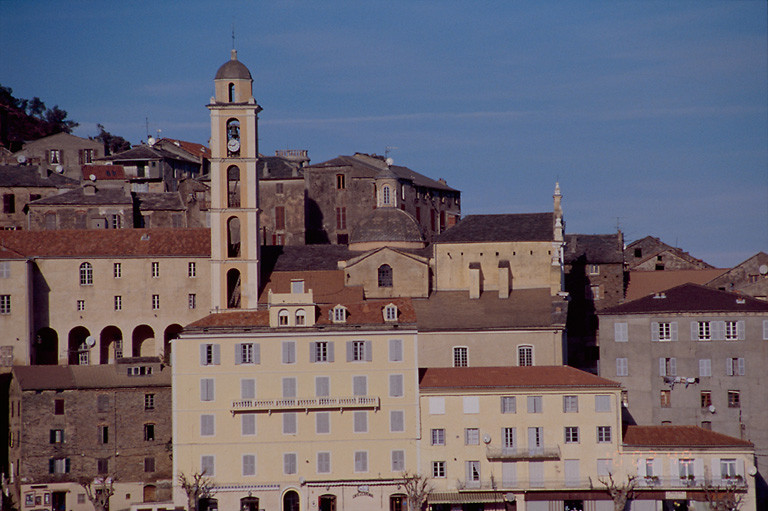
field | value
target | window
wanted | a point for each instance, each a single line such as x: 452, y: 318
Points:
x: 604, y: 466
x: 703, y: 332
x: 118, y: 303
x: 666, y: 398
x: 114, y: 221
x: 9, y: 203
x: 649, y: 467
x: 149, y: 432
x: 280, y: 218
x: 622, y: 367
x: 192, y: 270
x: 666, y: 331
x: 248, y: 424
x: 289, y: 423
x: 339, y: 314
x: 340, y: 182
x: 361, y: 461
x: 321, y: 351
x: 592, y: 292
x: 571, y: 434
x: 603, y: 434
x: 397, y: 421
x: 341, y: 218
x: 705, y: 367
x: 603, y: 403
x: 706, y: 398
x: 395, y: 350
x: 685, y: 466
x: 324, y: 463
x: 395, y: 385
x: 149, y: 401
x: 322, y: 422
x: 246, y: 353
x: 5, y: 304
x: 731, y: 330
x: 86, y: 274
x: 297, y: 286
x: 535, y: 437
x: 385, y: 195
x: 117, y: 270
x: 734, y: 399
x: 620, y: 332
x: 570, y: 404
x: 508, y: 404
x: 155, y: 302
x: 279, y: 188
x: 534, y: 404
x: 155, y: 270
x: 438, y: 469
x: 735, y: 366
x: 508, y: 438
x: 322, y: 386
x: 58, y: 466
x: 149, y: 464
x: 207, y: 389
x: 390, y: 313
x: 289, y: 387
x: 54, y: 156
x: 525, y: 355
x: 289, y: 463
x: 282, y: 318
x: 208, y: 465
x: 192, y: 300
x: 358, y: 351
x: 210, y: 354
x: 301, y: 317
x: 103, y: 434
x: 207, y: 425
x: 668, y: 366
x: 58, y: 407
x: 625, y: 398
x: 471, y: 404
x: 706, y: 425
x: 438, y: 436
x: 471, y: 436
x: 102, y: 465
x: 57, y: 436
x: 728, y: 468
x: 289, y: 352
x: 81, y: 305
x: 360, y: 422
x: 460, y: 356
x: 473, y: 471
x: 385, y: 275
x: 360, y: 385
x: 5, y: 270
x: 398, y: 461
x: 249, y: 464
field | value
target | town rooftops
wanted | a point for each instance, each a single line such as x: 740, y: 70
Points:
x: 644, y: 283
x: 690, y: 298
x: 509, y: 377
x: 678, y: 436
x: 120, y: 243
x: 303, y: 257
x: 145, y: 152
x: 85, y: 377
x: 30, y: 176
x: 594, y: 248
x: 163, y: 201
x: 501, y: 228
x: 88, y: 194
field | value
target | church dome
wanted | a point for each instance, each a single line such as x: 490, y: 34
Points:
x: 387, y: 227
x: 233, y: 70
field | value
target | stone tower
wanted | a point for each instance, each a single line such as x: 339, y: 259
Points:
x: 234, y: 189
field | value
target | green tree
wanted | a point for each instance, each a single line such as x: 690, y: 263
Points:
x: 112, y: 143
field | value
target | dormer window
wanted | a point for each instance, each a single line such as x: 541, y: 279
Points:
x: 297, y: 286
x: 300, y: 317
x: 282, y: 318
x: 390, y: 312
x: 339, y: 314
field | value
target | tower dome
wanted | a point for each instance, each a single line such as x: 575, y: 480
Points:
x: 233, y: 70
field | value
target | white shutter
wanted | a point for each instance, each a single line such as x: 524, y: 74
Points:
x: 395, y: 350
x: 368, y: 351
x: 698, y: 468
x: 654, y: 331
x: 740, y: 330
x: 248, y: 389
x: 765, y: 329
x: 742, y: 366
x: 620, y: 332
x: 313, y: 352
x: 248, y: 424
x: 673, y: 366
x: 238, y: 354
x: 350, y: 351
x: 396, y: 420
x: 729, y: 367
x: 395, y: 385
x: 705, y: 367
x: 203, y: 358
x: 216, y: 354
x: 694, y: 330
x: 662, y: 367
x: 673, y: 329
x: 256, y: 353
x: 508, y: 474
x: 718, y: 330
x: 330, y: 351
x: 436, y: 405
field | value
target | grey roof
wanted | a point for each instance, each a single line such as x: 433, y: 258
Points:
x: 594, y: 248
x: 387, y: 224
x: 525, y: 308
x: 84, y: 377
x: 233, y: 69
x: 15, y: 175
x: 169, y: 201
x: 145, y: 152
x: 509, y: 227
x: 103, y: 196
x: 304, y: 257
x: 690, y: 298
x: 278, y: 168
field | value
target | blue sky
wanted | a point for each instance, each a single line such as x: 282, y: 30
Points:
x: 652, y: 115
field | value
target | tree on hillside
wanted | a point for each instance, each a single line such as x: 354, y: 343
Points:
x: 23, y: 120
x: 112, y: 143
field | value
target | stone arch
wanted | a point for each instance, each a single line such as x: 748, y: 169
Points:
x: 143, y: 344
x: 233, y: 187
x: 233, y: 237
x: 78, y: 351
x: 233, y: 289
x: 110, y: 344
x: 291, y: 501
x: 171, y: 332
x: 46, y: 347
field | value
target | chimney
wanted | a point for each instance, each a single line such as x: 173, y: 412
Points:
x: 504, y: 280
x: 475, y: 280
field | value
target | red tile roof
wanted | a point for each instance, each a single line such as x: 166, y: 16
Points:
x: 690, y: 298
x: 108, y: 243
x: 678, y: 436
x: 500, y: 377
x: 104, y: 172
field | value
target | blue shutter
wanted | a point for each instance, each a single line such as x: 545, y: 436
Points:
x: 202, y: 354
x: 350, y: 351
x: 313, y: 352
x: 256, y: 353
x: 654, y: 331
x: 662, y: 367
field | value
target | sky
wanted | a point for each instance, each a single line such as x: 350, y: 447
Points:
x: 652, y: 116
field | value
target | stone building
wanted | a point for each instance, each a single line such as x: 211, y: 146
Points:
x: 22, y: 184
x: 652, y: 254
x: 282, y: 197
x: 73, y: 424
x: 156, y: 167
x: 62, y: 153
x: 749, y: 277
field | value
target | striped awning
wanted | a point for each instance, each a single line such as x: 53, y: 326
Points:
x: 464, y: 497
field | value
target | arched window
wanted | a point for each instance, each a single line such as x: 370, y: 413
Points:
x: 282, y: 317
x: 86, y: 274
x: 385, y: 275
x: 233, y: 289
x: 385, y: 195
x: 525, y: 355
x: 300, y: 317
x: 231, y: 92
x: 291, y: 501
x: 233, y: 237
x: 233, y: 187
x: 249, y: 504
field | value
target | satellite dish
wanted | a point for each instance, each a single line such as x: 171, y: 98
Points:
x: 59, y: 169
x: 90, y: 341
x: 92, y: 177
x: 487, y: 438
x: 151, y: 141
x: 711, y: 408
x: 763, y: 269
x: 510, y: 497
x: 21, y: 158
x: 390, y: 161
x: 752, y: 471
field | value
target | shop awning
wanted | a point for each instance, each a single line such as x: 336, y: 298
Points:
x: 464, y: 497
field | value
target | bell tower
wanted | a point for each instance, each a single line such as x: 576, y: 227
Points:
x: 234, y: 189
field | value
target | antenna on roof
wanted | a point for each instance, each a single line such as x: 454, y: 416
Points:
x: 233, y: 35
x: 146, y: 123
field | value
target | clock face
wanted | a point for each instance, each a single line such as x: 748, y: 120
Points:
x: 233, y: 145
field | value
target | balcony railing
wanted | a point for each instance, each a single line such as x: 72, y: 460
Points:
x: 515, y: 454
x: 305, y: 403
x: 690, y: 482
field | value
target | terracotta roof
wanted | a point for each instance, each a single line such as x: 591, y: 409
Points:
x: 510, y: 227
x: 509, y: 377
x: 363, y: 313
x: 690, y: 298
x: 23, y: 176
x: 327, y: 285
x: 525, y: 308
x: 104, y: 172
x: 194, y: 148
x: 644, y: 283
x: 145, y: 152
x: 678, y: 436
x: 594, y: 248
x: 109, y: 242
x: 82, y: 377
